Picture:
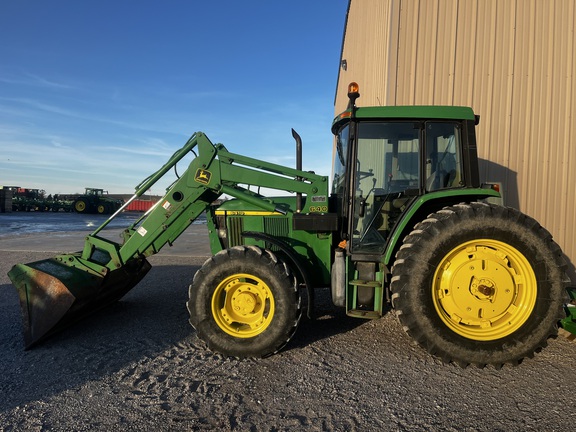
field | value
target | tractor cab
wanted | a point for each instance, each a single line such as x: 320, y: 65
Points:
x: 95, y: 192
x: 393, y: 166
x: 386, y: 158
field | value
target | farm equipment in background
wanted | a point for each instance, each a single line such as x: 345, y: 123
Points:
x: 96, y: 201
x: 24, y: 199
x: 405, y: 226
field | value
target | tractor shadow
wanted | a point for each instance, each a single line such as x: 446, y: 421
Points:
x: 491, y: 172
x: 328, y: 321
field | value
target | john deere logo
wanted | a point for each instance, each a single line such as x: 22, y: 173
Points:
x: 202, y: 176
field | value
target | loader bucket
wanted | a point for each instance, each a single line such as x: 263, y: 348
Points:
x: 54, y: 295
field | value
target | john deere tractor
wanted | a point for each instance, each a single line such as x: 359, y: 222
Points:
x: 96, y: 201
x: 405, y: 226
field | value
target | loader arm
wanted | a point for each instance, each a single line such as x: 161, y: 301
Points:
x: 213, y: 172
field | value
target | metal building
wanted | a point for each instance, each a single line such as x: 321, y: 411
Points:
x: 512, y: 61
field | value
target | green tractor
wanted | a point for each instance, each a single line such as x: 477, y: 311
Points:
x: 96, y: 201
x: 405, y: 226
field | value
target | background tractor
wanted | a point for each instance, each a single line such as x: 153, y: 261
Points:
x: 405, y: 225
x: 96, y: 201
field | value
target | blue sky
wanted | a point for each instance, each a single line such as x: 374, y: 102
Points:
x: 101, y: 93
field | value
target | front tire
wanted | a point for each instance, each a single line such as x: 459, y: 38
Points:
x: 479, y: 284
x: 244, y: 302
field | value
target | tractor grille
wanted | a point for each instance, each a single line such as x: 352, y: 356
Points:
x: 235, y: 228
x: 273, y: 226
x: 276, y: 227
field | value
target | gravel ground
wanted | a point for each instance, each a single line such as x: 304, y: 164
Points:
x: 138, y: 365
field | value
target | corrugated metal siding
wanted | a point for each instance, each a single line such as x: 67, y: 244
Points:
x: 514, y: 62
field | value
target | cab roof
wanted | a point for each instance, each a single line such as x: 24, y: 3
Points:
x: 415, y: 112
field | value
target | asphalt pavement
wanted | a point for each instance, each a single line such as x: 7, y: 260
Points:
x: 65, y: 232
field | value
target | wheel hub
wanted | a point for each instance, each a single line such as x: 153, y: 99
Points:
x: 484, y: 289
x: 245, y: 302
x: 243, y: 305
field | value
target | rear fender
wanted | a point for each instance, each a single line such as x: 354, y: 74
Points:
x: 422, y: 206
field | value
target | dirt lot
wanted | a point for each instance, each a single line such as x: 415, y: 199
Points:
x: 138, y: 365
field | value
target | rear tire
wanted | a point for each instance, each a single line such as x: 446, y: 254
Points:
x: 479, y: 284
x: 80, y: 206
x: 244, y: 302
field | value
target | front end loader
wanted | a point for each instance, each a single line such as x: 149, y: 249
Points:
x: 405, y: 225
x: 57, y: 291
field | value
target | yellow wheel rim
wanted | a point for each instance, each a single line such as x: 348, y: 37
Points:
x: 101, y: 209
x: 484, y: 290
x: 80, y: 206
x: 243, y: 305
